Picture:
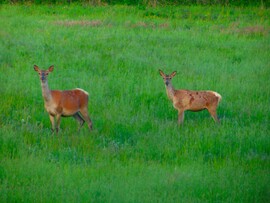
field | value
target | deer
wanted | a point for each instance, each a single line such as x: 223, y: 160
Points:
x: 191, y: 100
x: 63, y: 103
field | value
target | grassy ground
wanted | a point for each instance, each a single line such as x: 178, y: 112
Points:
x: 136, y: 153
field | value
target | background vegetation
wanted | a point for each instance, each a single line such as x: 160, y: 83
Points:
x: 152, y: 3
x: 136, y: 153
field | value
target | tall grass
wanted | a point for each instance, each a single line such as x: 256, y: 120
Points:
x: 136, y: 153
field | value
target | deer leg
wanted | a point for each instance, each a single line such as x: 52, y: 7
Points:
x: 52, y: 122
x: 181, y: 115
x: 213, y: 113
x: 86, y: 117
x: 78, y: 117
x: 58, y: 119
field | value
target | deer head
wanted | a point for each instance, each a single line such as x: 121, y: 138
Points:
x: 43, y: 74
x: 167, y: 78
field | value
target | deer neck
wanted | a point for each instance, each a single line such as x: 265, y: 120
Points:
x: 170, y: 91
x: 46, y: 92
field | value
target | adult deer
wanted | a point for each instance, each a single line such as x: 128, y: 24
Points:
x: 63, y: 103
x: 191, y: 100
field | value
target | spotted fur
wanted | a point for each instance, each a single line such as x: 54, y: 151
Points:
x: 191, y: 100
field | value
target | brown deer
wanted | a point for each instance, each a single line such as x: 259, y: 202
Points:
x: 63, y: 103
x: 191, y: 100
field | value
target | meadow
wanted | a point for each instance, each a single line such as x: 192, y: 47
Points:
x: 136, y: 152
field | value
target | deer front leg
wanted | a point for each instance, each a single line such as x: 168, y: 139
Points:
x: 52, y: 122
x: 181, y: 115
x: 58, y: 119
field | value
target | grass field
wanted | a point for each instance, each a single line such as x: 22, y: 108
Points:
x: 136, y: 152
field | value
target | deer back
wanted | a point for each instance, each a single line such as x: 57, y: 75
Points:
x: 68, y: 102
x: 195, y: 100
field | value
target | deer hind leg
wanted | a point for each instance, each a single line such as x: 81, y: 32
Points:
x: 52, y: 122
x: 86, y: 117
x: 181, y: 115
x: 213, y: 113
x: 78, y: 117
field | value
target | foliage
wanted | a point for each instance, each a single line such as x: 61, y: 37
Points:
x: 153, y: 3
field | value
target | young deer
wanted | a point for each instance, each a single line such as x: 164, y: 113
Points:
x: 63, y: 103
x: 191, y: 100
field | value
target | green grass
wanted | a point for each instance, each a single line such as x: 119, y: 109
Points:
x: 136, y: 152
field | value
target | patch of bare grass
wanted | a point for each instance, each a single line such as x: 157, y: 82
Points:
x: 252, y: 30
x: 151, y: 25
x: 70, y: 23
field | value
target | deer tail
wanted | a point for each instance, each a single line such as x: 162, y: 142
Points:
x: 218, y: 96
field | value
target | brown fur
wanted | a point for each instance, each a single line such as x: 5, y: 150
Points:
x: 191, y: 100
x: 64, y: 103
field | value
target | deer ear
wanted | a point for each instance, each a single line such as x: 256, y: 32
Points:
x: 36, y: 68
x: 51, y: 68
x: 173, y: 73
x: 161, y: 73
